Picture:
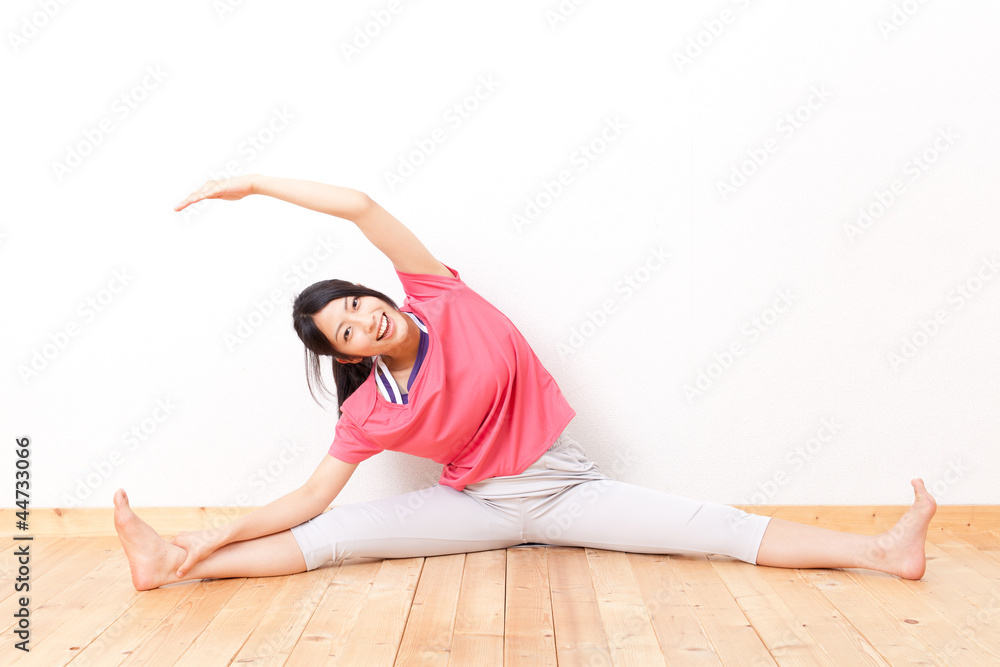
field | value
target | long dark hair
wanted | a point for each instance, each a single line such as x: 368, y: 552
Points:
x: 348, y: 377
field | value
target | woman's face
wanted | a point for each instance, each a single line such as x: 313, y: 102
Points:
x: 363, y: 326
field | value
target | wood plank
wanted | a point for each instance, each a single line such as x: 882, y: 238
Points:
x: 529, y: 637
x: 673, y: 616
x: 76, y: 617
x: 428, y: 633
x: 985, y: 542
x: 158, y: 638
x: 336, y: 617
x: 60, y: 566
x: 913, y: 604
x: 830, y: 630
x: 139, y: 625
x: 732, y: 635
x: 576, y: 619
x: 977, y: 576
x: 788, y: 641
x: 994, y: 534
x: 46, y: 554
x: 953, y: 589
x: 275, y: 636
x: 892, y: 637
x: 228, y: 629
x: 630, y: 634
x: 479, y: 621
x: 383, y: 616
x: 91, y: 615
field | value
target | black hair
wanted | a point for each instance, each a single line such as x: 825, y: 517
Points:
x: 348, y: 377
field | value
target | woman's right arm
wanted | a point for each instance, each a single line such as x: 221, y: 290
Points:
x: 289, y: 510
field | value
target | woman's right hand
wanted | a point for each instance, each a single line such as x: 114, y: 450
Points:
x: 199, y: 544
x: 229, y: 189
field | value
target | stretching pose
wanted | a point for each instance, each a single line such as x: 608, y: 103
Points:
x: 448, y: 377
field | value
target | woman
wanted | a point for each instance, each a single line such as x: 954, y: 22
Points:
x: 448, y: 377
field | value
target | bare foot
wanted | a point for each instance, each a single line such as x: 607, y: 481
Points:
x: 152, y: 559
x: 900, y: 550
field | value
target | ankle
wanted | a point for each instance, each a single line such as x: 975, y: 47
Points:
x: 877, y: 552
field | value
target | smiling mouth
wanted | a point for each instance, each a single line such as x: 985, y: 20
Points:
x: 383, y: 328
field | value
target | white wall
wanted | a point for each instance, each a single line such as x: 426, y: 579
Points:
x: 837, y: 104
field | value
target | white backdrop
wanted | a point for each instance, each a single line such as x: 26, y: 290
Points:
x: 756, y: 244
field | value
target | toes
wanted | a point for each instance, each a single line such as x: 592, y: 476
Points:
x: 120, y: 499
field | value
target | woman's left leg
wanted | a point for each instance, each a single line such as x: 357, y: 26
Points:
x: 898, y: 551
x: 609, y: 514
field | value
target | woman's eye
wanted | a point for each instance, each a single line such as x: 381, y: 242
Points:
x: 345, y: 333
x: 355, y: 302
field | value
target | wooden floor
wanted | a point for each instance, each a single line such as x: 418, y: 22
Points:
x: 523, y: 606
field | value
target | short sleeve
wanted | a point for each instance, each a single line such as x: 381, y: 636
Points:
x: 426, y: 286
x: 350, y: 444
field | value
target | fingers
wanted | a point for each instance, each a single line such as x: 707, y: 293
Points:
x: 189, y: 561
x: 209, y: 189
x: 192, y: 198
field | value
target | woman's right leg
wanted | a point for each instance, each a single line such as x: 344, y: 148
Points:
x: 154, y: 561
x: 434, y: 521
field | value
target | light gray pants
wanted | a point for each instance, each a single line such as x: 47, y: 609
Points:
x: 562, y: 499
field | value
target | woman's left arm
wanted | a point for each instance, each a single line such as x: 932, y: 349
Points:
x: 389, y: 235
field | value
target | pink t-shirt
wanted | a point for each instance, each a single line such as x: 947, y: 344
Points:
x: 482, y: 403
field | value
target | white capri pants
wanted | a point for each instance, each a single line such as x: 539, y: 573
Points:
x: 562, y: 499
